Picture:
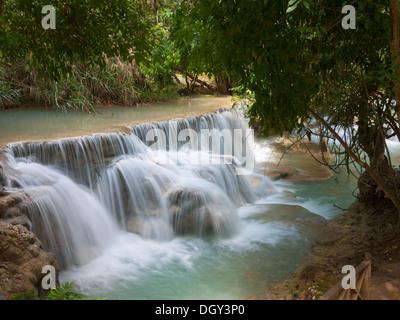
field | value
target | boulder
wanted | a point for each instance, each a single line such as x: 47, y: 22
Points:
x: 189, y: 212
x: 276, y: 171
x: 260, y: 184
x: 6, y: 202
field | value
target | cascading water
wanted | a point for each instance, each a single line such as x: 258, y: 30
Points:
x: 68, y: 218
x: 165, y: 210
x: 84, y: 158
x: 83, y: 189
x: 160, y: 200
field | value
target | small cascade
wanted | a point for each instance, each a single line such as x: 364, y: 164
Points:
x: 158, y: 181
x: 69, y: 220
x: 83, y: 159
x: 168, y: 199
x: 132, y: 190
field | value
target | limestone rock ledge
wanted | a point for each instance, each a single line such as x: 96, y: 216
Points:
x: 22, y: 256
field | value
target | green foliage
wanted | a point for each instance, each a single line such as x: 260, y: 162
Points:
x: 119, y: 82
x: 242, y: 94
x: 164, y: 57
x: 101, y: 52
x: 195, y: 42
x: 8, y: 96
x: 30, y: 295
x: 86, y: 31
x: 293, y: 55
x: 253, y: 42
x: 66, y: 291
x: 302, y: 65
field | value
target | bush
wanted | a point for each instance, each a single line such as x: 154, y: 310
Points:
x: 119, y: 82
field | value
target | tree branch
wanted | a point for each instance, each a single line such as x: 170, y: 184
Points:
x: 381, y: 184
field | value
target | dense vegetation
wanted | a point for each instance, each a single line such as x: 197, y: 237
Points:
x: 306, y: 72
x: 291, y: 58
x: 91, y: 57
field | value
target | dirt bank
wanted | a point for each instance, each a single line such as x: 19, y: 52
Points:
x: 355, y: 235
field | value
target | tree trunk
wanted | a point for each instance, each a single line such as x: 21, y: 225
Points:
x: 2, y: 7
x: 223, y: 84
x: 369, y: 191
x: 395, y: 50
x: 203, y: 83
x: 372, y: 141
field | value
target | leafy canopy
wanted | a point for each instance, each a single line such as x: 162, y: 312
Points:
x: 284, y: 52
x: 86, y: 31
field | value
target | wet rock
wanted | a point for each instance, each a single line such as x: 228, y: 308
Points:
x: 12, y: 204
x: 277, y: 172
x: 289, y: 194
x: 14, y: 183
x: 311, y: 225
x: 3, y: 191
x: 132, y: 225
x: 260, y: 185
x: 21, y: 260
x: 6, y: 202
x: 289, y: 214
x: 13, y: 212
x: 296, y: 161
x: 21, y: 253
x: 2, y: 177
x: 188, y: 212
x: 18, y: 220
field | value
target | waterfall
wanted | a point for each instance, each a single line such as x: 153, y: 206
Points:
x: 153, y: 181
x: 84, y: 158
x: 68, y: 218
x: 167, y: 199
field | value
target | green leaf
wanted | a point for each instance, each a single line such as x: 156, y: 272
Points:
x: 292, y: 5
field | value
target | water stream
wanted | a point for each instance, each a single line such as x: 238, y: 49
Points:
x: 131, y: 220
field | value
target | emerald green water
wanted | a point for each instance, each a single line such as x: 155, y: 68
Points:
x: 39, y: 124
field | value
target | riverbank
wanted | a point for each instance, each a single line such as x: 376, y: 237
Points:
x: 346, y: 240
x: 343, y: 240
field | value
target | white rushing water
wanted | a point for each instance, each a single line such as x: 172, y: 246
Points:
x: 68, y: 218
x: 130, y: 221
